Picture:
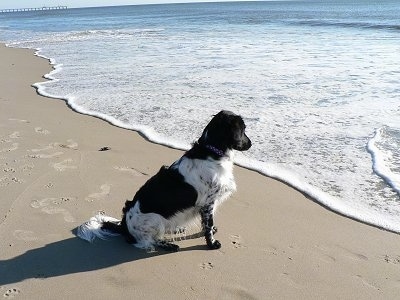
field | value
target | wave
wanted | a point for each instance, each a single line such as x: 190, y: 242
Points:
x: 385, y: 157
x: 354, y: 212
x: 71, y: 36
x: 147, y: 132
x: 356, y: 25
x: 113, y: 33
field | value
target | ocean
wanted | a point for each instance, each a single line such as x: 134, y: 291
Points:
x: 317, y: 83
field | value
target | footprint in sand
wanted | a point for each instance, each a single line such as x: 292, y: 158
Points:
x: 15, y: 135
x: 206, y: 266
x: 392, y: 259
x: 51, y: 155
x: 11, y: 293
x: 13, y: 147
x: 48, y: 201
x: 6, y: 180
x: 236, y: 241
x: 46, y: 155
x: 17, y: 180
x: 71, y: 145
x: 41, y: 130
x: 3, y: 180
x: 55, y: 210
x: 272, y: 250
x: 105, y: 190
x: 64, y: 165
x: 19, y: 120
x: 49, y: 147
x: 26, y: 168
x: 47, y: 205
x: 49, y: 185
x: 129, y: 170
x: 9, y: 170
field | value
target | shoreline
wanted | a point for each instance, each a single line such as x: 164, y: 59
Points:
x: 276, y: 243
x: 320, y: 197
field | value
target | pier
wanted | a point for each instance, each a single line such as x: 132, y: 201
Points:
x: 11, y: 10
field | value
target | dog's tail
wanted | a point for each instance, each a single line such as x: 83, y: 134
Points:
x: 99, y: 226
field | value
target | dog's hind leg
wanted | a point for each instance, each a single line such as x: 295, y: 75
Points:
x: 167, y: 246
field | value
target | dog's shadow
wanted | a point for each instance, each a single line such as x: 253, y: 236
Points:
x: 72, y: 256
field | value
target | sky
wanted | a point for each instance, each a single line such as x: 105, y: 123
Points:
x: 4, y: 4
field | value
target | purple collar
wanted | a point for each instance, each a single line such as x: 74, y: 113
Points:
x: 215, y: 150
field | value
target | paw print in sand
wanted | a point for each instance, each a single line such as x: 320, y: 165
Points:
x: 207, y: 266
x: 11, y: 293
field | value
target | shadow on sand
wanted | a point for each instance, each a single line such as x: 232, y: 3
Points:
x: 71, y: 256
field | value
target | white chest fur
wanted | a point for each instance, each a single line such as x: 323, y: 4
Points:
x: 213, y: 179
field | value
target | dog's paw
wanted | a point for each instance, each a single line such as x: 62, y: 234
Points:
x: 175, y: 248
x: 168, y: 246
x: 214, y: 245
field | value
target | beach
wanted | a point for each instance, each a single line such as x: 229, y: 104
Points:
x: 322, y: 111
x: 276, y: 242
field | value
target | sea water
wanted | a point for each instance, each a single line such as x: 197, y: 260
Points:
x: 317, y: 83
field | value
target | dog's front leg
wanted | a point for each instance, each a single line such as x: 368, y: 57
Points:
x: 207, y: 220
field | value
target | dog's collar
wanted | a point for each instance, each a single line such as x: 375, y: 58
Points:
x: 215, y: 150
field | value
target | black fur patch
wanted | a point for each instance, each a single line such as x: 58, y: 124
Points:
x: 166, y: 193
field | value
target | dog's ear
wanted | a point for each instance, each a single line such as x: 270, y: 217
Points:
x: 208, y: 135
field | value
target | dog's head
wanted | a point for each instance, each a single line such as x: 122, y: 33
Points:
x: 226, y: 130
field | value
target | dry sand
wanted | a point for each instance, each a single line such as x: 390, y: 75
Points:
x: 276, y: 243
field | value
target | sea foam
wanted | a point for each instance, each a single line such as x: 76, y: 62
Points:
x: 384, y: 148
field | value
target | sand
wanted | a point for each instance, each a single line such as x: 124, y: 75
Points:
x: 276, y: 243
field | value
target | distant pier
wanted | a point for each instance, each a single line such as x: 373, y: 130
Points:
x: 11, y: 10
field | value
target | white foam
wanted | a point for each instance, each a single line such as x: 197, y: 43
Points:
x: 276, y: 170
x: 146, y: 131
x: 382, y: 159
x: 349, y: 209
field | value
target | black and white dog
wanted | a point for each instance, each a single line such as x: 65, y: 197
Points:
x: 195, y: 184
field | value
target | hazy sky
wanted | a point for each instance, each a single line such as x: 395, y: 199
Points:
x: 83, y: 3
